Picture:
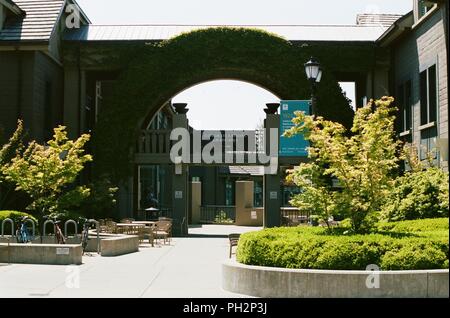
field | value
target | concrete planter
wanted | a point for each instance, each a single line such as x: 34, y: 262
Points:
x: 47, y: 253
x: 275, y: 282
x: 51, y: 254
x: 115, y: 246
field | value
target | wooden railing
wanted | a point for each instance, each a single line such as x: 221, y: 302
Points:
x: 154, y: 141
x: 157, y: 141
x: 291, y: 216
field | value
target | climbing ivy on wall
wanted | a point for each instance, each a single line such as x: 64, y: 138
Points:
x: 158, y: 71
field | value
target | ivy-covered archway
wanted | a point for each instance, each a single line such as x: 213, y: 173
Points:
x: 159, y: 71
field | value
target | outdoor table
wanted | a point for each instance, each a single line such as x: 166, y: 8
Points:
x: 147, y: 223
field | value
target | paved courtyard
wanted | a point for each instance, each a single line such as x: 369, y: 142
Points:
x: 189, y: 267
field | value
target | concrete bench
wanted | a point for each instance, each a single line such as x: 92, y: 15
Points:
x: 51, y: 254
x: 119, y: 245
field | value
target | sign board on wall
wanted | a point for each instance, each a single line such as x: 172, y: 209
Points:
x: 178, y: 194
x: 294, y: 146
x: 62, y: 251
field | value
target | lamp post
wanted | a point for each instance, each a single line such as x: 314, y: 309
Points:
x: 314, y: 75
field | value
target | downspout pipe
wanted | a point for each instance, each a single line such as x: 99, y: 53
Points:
x: 79, y: 89
x: 19, y: 83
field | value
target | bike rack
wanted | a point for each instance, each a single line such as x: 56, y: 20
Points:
x: 74, y: 224
x: 45, y: 225
x: 33, y: 226
x: 12, y: 226
x: 97, y: 228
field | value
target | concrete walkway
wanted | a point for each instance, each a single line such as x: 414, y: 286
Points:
x: 188, y: 267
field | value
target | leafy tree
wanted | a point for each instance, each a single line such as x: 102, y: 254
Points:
x: 101, y: 201
x: 13, y: 147
x: 362, y: 160
x: 316, y: 195
x: 47, y: 172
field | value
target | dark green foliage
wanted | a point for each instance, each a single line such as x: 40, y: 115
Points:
x: 418, y: 195
x: 159, y: 71
x: 102, y: 201
x: 398, y: 245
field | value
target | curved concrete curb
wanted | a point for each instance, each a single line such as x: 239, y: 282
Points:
x: 276, y: 282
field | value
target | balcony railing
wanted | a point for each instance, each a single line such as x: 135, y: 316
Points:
x: 154, y: 141
x: 218, y: 214
x: 157, y: 141
x: 291, y: 216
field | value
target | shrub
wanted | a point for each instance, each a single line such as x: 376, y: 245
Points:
x: 418, y: 195
x: 222, y: 217
x: 437, y: 226
x: 417, y: 256
x: 397, y: 245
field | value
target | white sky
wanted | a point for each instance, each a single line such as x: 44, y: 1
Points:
x: 231, y: 104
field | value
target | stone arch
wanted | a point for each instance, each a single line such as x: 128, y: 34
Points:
x: 159, y: 71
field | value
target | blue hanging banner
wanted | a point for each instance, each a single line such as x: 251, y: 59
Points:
x: 295, y: 146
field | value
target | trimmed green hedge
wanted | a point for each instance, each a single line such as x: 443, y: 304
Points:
x: 419, y: 244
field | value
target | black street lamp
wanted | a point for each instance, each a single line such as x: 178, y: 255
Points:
x: 314, y: 75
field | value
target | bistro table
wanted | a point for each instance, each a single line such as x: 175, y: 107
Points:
x: 146, y: 223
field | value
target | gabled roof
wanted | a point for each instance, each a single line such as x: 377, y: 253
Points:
x: 163, y: 32
x: 39, y: 21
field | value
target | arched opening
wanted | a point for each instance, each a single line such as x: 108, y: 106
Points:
x: 220, y: 105
x: 225, y: 105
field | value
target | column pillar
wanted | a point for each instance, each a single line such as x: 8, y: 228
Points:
x: 180, y: 186
x: 244, y: 202
x: 272, y: 193
x: 196, y: 201
x: 180, y: 200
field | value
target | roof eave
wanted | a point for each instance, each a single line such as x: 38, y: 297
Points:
x: 396, y: 29
x: 82, y: 13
